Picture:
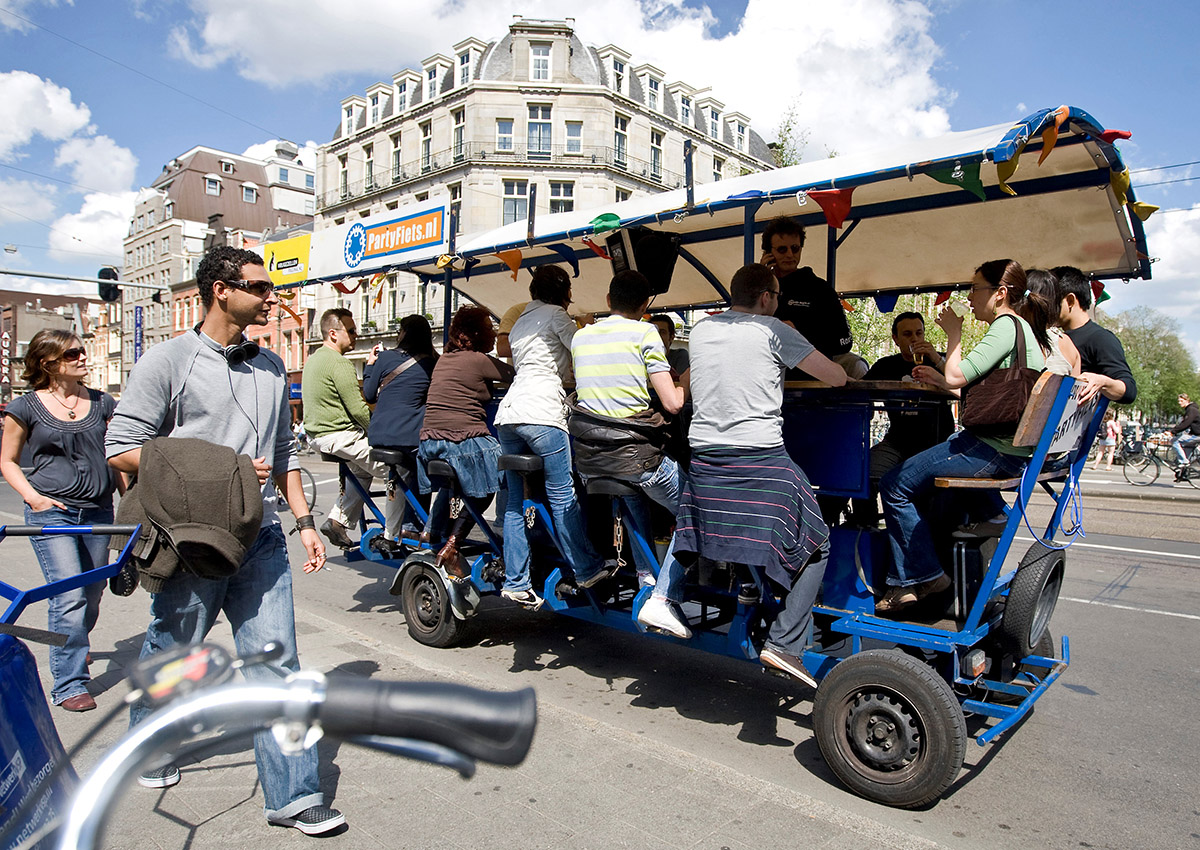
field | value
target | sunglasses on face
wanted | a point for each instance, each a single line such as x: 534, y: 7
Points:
x: 257, y: 288
x: 73, y: 354
x: 787, y: 249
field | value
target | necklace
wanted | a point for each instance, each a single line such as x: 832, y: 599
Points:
x: 70, y: 410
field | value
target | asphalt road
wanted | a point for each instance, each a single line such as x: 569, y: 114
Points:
x: 1107, y: 759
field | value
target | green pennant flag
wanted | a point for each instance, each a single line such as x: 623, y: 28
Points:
x: 962, y: 176
x: 605, y: 222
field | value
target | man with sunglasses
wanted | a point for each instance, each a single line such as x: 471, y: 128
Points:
x: 212, y: 384
x: 806, y: 302
x: 336, y: 418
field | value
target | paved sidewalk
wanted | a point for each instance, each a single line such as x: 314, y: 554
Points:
x: 586, y: 784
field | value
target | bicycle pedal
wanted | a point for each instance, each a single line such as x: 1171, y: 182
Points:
x: 566, y: 588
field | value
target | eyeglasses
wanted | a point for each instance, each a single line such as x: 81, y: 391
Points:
x: 975, y: 289
x: 257, y: 288
x: 73, y: 354
x: 774, y: 292
x: 788, y: 249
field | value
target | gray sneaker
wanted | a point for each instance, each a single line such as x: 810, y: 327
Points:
x: 162, y: 777
x: 774, y: 659
x: 315, y: 820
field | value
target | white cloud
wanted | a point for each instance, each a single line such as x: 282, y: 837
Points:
x: 98, y: 163
x: 307, y: 157
x: 24, y: 8
x: 32, y: 106
x: 41, y: 286
x: 861, y: 69
x: 100, y: 225
x: 24, y: 199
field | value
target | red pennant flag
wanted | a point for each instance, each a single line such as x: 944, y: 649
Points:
x: 1111, y: 136
x: 848, y: 307
x: 942, y: 297
x: 1097, y: 289
x: 598, y: 250
x: 346, y: 290
x: 835, y: 203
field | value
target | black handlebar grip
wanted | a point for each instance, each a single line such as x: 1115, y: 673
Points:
x: 490, y: 726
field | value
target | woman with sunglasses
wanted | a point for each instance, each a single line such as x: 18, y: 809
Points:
x: 1000, y: 296
x: 63, y: 423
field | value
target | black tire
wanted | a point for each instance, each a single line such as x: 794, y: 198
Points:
x: 1141, y: 470
x: 1193, y: 470
x: 1031, y: 600
x: 890, y: 728
x: 427, y: 607
x: 310, y: 487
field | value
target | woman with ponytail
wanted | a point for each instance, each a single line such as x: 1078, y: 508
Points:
x: 1062, y: 357
x: 455, y: 429
x: 999, y: 296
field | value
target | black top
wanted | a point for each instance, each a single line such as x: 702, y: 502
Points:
x: 810, y: 303
x: 1190, y: 421
x: 1101, y: 352
x: 917, y: 429
x: 400, y: 408
x: 68, y: 456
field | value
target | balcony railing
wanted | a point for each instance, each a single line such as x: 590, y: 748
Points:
x: 383, y: 179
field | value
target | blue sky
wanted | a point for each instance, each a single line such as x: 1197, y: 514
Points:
x: 231, y: 74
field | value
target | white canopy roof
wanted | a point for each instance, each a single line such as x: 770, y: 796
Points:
x: 910, y: 231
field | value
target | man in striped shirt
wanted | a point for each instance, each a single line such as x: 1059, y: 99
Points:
x: 617, y: 360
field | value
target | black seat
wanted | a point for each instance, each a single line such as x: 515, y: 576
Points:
x: 330, y: 458
x: 612, y: 487
x: 441, y: 469
x: 521, y: 463
x: 389, y: 457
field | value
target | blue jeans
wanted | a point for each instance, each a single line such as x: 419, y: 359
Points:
x: 663, y: 485
x: 552, y: 446
x: 908, y: 490
x: 73, y: 613
x: 1180, y: 443
x: 257, y: 601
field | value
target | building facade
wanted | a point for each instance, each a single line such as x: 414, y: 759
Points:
x: 23, y: 314
x: 203, y: 198
x: 535, y: 117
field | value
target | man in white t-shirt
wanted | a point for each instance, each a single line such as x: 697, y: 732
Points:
x: 736, y: 437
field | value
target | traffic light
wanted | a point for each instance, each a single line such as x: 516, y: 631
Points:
x: 109, y: 291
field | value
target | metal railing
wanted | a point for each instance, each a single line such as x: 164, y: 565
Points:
x: 385, y: 178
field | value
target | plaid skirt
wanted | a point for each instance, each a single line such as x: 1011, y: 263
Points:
x: 750, y: 506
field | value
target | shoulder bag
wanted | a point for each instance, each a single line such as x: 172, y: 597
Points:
x: 994, y: 403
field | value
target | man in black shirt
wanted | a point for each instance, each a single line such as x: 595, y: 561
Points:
x: 807, y: 302
x: 1105, y: 370
x: 1186, y: 433
x: 913, y: 429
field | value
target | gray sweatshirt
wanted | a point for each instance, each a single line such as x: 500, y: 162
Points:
x: 183, y: 387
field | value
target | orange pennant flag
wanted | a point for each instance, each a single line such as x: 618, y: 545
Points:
x: 512, y: 259
x: 1050, y: 137
x: 377, y: 281
x: 835, y: 203
x: 285, y: 308
x: 848, y: 307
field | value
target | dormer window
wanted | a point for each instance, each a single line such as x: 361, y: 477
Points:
x: 652, y: 93
x: 739, y: 136
x: 539, y: 61
x: 401, y: 97
x: 431, y: 83
x: 226, y: 166
x: 685, y: 110
x: 714, y: 124
x: 464, y: 68
x: 618, y: 76
x: 168, y: 210
x: 348, y: 121
x: 212, y: 184
x: 250, y: 194
x: 374, y: 109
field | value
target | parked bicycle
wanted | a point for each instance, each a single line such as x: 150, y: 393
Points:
x: 310, y: 490
x: 1143, y: 464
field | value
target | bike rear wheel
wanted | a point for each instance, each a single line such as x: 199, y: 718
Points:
x: 1141, y: 470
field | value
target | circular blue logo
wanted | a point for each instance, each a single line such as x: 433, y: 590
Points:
x: 356, y: 245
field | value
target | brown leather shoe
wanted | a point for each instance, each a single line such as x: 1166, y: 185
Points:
x: 451, y: 561
x: 79, y: 702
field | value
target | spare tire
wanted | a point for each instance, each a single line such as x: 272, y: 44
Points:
x: 1032, y: 597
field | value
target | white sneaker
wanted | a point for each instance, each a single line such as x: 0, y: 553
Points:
x: 525, y: 598
x: 658, y: 613
x: 646, y: 579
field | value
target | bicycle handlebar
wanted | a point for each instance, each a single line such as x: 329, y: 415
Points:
x: 494, y: 727
x: 38, y: 530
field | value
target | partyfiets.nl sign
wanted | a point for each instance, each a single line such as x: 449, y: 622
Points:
x: 413, y: 233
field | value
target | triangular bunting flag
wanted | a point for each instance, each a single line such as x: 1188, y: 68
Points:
x: 835, y: 203
x: 377, y: 281
x: 512, y: 259
x: 886, y: 303
x: 1050, y: 136
x: 444, y: 261
x: 567, y: 254
x: 1098, y: 292
x: 285, y: 308
x: 942, y: 297
x: 605, y: 222
x: 347, y: 290
x: 962, y: 176
x: 468, y: 264
x: 1120, y: 185
x: 1111, y: 136
x: 1143, y: 210
x: 1005, y: 170
x: 848, y: 307
x: 598, y: 250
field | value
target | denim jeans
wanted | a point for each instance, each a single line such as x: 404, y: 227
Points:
x: 354, y: 450
x: 789, y: 631
x: 73, y: 613
x: 908, y: 490
x: 1181, y: 442
x: 257, y: 601
x: 552, y: 446
x: 663, y: 485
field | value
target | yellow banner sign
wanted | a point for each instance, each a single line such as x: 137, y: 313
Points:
x: 287, y: 259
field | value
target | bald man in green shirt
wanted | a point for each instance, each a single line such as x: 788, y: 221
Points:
x: 336, y: 418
